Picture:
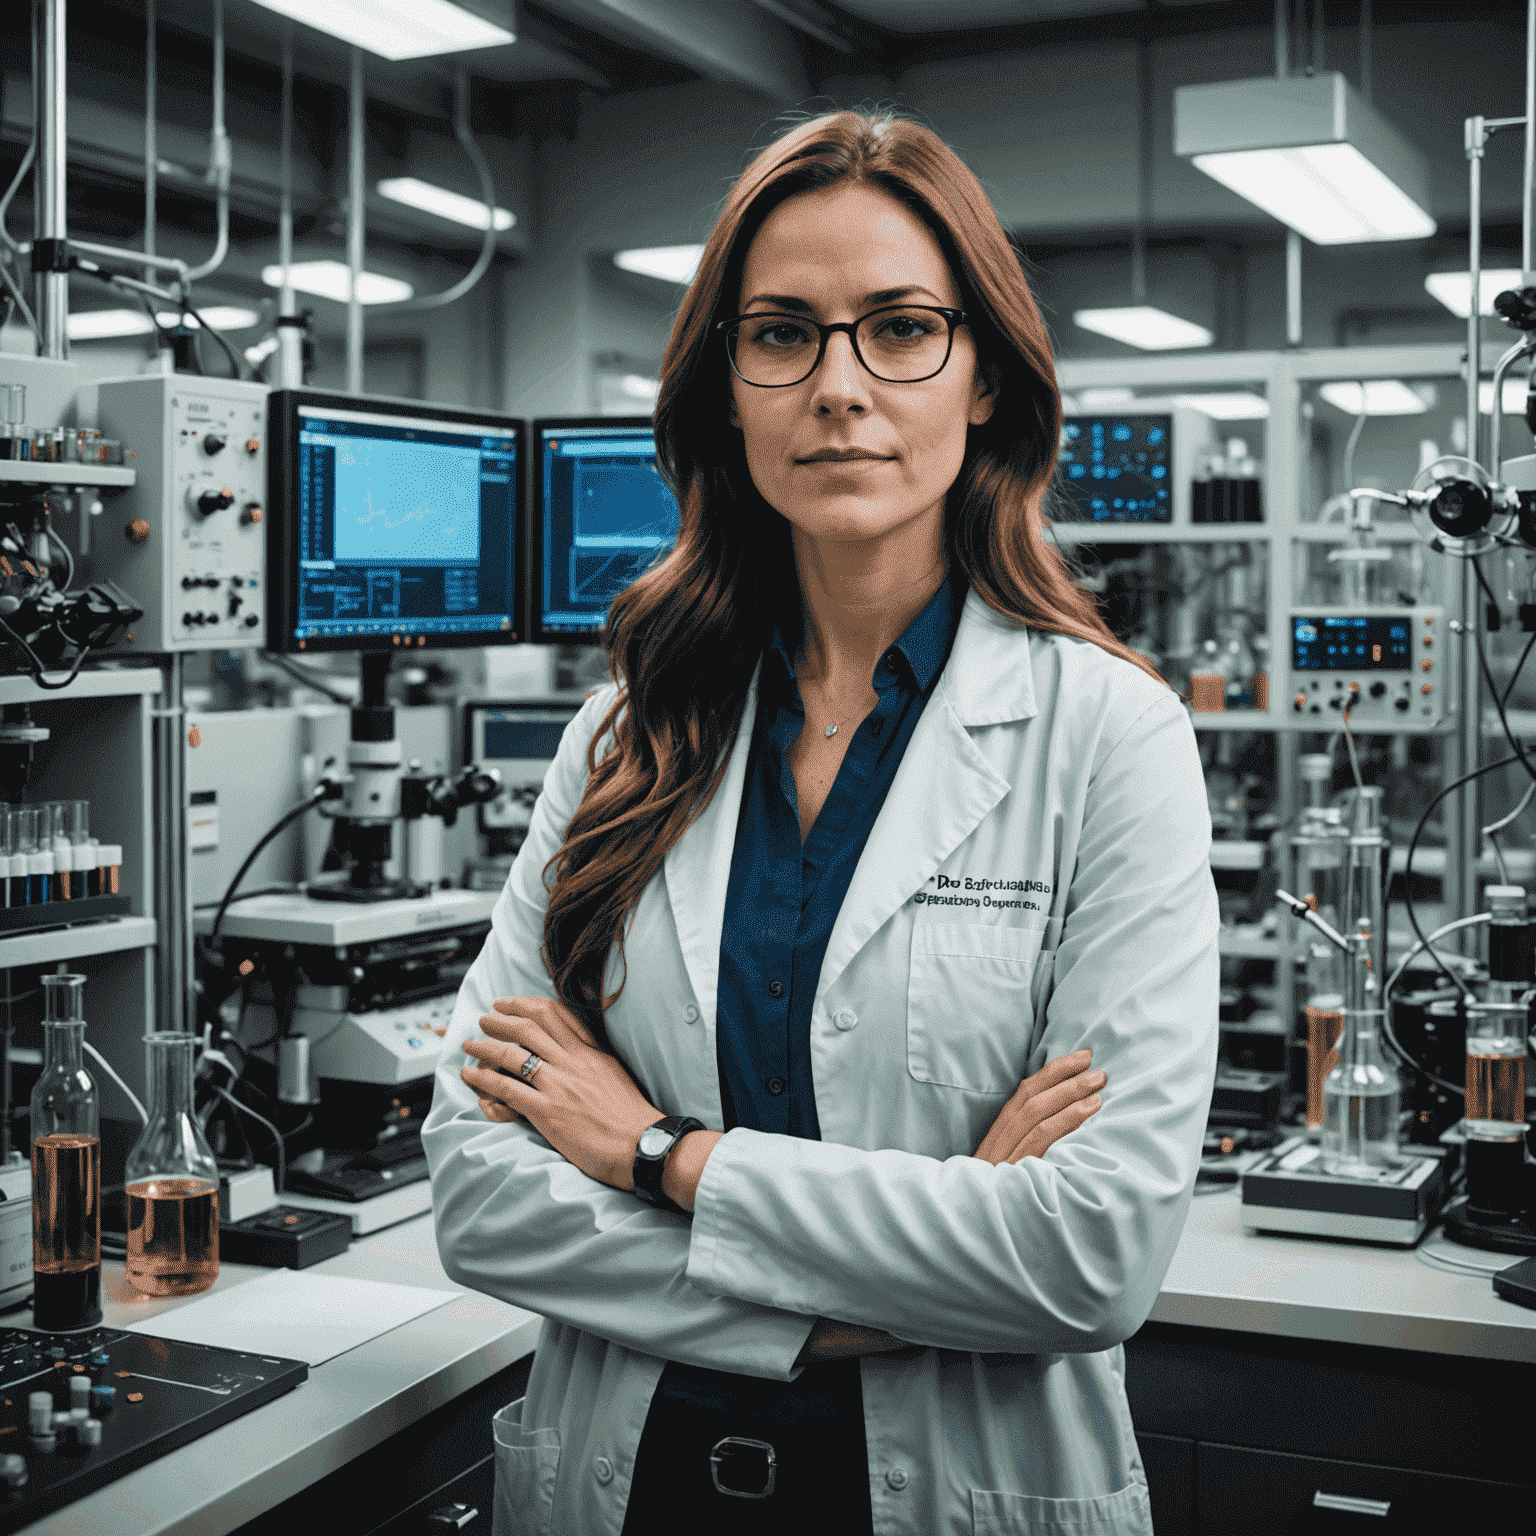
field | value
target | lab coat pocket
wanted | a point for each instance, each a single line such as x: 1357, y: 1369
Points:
x: 969, y: 1010
x: 1126, y: 1513
x: 526, y: 1462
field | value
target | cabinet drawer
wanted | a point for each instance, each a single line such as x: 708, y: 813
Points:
x: 1268, y: 1493
x: 1169, y: 1463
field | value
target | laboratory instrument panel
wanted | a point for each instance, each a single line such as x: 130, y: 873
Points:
x: 388, y: 1045
x: 79, y: 1410
x: 519, y: 740
x: 401, y: 524
x: 1140, y: 464
x: 186, y: 541
x: 601, y: 515
x: 1385, y: 665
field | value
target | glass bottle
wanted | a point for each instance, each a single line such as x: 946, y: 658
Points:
x: 1363, y: 1093
x: 1497, y: 1027
x: 171, y: 1181
x: 66, y: 1169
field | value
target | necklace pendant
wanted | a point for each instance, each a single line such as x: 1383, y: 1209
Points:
x: 831, y: 730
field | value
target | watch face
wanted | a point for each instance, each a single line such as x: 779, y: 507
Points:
x: 654, y: 1142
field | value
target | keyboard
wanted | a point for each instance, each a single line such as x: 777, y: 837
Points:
x: 146, y: 1396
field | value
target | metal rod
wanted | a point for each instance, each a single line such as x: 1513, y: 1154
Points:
x: 218, y: 171
x: 290, y: 343
x: 1475, y: 137
x: 151, y: 140
x: 50, y: 177
x: 173, y: 909
x: 1522, y: 348
x: 1292, y: 289
x: 1143, y: 172
x: 355, y: 228
x: 1365, y: 50
x: 1530, y: 136
x: 1319, y: 37
x: 1282, y: 41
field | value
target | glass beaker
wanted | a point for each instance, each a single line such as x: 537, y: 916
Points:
x: 171, y: 1181
x: 1363, y: 1093
x: 66, y: 1169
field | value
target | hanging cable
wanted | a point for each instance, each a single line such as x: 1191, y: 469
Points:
x: 461, y: 132
x: 219, y: 170
x: 1354, y: 440
x: 277, y: 1135
x: 10, y: 192
x: 106, y: 1066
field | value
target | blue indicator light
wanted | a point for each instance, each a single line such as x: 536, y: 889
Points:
x: 1156, y: 436
x: 1159, y: 472
x: 1122, y: 433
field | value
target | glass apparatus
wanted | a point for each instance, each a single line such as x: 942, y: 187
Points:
x: 66, y: 1169
x: 1320, y: 849
x: 171, y: 1181
x: 1363, y: 1093
x: 1368, y: 873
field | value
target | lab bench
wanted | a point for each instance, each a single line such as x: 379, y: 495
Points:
x: 1272, y: 1371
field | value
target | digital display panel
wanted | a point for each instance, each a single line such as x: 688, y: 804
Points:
x: 1351, y: 642
x: 604, y: 515
x: 1116, y: 469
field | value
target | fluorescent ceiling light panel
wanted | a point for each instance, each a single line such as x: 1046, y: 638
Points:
x: 101, y: 324
x: 396, y: 29
x: 1310, y: 152
x: 1454, y: 289
x: 1140, y: 325
x: 442, y: 202
x: 640, y: 388
x: 1230, y: 405
x: 1383, y: 397
x: 671, y: 263
x: 1514, y: 397
x: 333, y: 280
x: 222, y: 317
x: 1104, y: 399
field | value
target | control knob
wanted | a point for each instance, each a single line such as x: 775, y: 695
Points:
x: 214, y: 501
x: 213, y: 443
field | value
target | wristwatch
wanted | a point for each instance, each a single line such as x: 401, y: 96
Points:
x: 656, y: 1141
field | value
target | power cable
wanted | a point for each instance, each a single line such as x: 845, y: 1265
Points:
x: 307, y: 678
x: 324, y: 790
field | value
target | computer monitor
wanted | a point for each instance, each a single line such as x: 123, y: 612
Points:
x: 601, y: 515
x: 1117, y: 469
x: 391, y: 524
x: 519, y: 738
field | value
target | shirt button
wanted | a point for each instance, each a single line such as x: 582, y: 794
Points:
x: 776, y: 989
x: 890, y: 658
x: 845, y: 1018
x: 604, y: 1469
x: 691, y: 1014
x: 775, y: 1085
x: 897, y: 1477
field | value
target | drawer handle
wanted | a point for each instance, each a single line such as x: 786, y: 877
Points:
x: 1321, y: 1500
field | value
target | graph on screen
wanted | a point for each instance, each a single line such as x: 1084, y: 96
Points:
x: 624, y: 515
x: 403, y: 502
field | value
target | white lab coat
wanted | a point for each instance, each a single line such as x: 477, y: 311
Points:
x: 1038, y: 880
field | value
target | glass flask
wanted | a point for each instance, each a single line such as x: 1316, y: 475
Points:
x: 1319, y: 847
x: 171, y: 1181
x: 1363, y: 1093
x: 66, y: 1169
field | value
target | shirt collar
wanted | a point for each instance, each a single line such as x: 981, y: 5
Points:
x: 924, y: 644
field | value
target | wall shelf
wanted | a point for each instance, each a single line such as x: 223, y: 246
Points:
x: 104, y: 683
x: 43, y: 472
x: 49, y: 945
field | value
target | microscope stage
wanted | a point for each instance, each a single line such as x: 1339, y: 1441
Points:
x: 336, y: 924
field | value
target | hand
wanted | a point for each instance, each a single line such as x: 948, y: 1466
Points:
x: 582, y: 1101
x: 1057, y: 1099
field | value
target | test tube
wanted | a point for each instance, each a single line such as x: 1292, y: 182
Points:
x: 5, y: 854
x: 58, y: 817
x: 24, y: 847
x: 81, y: 846
x: 15, y: 443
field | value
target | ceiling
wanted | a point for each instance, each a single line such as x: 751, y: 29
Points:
x: 921, y: 17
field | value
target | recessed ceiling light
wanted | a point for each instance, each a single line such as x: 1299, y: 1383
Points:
x: 445, y: 204
x: 671, y: 263
x: 222, y: 317
x: 333, y: 280
x: 1232, y: 405
x: 1140, y: 325
x: 1454, y: 289
x: 639, y: 388
x: 102, y: 324
x: 1311, y: 152
x: 396, y: 29
x: 1104, y: 399
x: 1382, y: 397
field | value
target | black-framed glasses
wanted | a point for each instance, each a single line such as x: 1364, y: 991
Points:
x: 898, y: 344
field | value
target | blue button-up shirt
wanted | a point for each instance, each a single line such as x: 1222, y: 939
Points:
x: 783, y: 898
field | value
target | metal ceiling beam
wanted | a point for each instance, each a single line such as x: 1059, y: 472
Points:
x: 730, y: 41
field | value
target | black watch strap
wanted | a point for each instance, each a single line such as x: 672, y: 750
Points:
x: 649, y: 1164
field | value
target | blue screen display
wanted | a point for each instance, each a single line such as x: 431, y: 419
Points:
x: 606, y: 513
x: 407, y: 525
x: 1351, y: 642
x: 1115, y: 469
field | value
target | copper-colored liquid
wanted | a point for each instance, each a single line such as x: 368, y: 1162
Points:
x: 173, y: 1236
x: 1496, y: 1088
x: 1323, y: 1027
x: 66, y: 1231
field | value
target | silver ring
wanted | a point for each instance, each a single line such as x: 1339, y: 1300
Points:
x: 717, y: 1455
x: 530, y: 1066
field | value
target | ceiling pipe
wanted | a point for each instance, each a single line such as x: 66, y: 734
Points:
x: 49, y: 232
x: 355, y: 199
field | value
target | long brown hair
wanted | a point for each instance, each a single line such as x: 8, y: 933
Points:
x: 684, y: 638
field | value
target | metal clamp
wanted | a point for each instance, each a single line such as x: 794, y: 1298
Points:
x: 717, y: 1455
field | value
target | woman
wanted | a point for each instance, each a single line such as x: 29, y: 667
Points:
x: 875, y: 821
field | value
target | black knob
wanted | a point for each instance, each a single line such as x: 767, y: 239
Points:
x: 1402, y: 704
x: 214, y: 501
x: 1378, y: 690
x: 252, y: 620
x: 213, y: 444
x: 186, y: 583
x: 189, y: 619
x: 1336, y: 702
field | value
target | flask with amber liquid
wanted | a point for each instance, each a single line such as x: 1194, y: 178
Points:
x: 66, y: 1169
x: 171, y: 1181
